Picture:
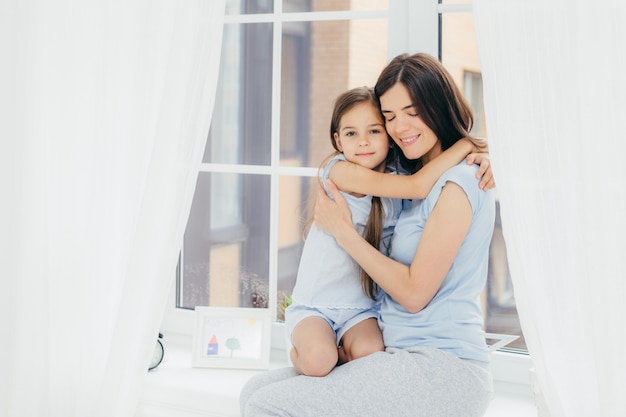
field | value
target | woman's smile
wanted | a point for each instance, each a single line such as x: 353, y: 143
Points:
x: 409, y: 140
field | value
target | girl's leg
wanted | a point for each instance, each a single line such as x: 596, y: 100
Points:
x: 425, y: 382
x: 314, y: 351
x: 362, y: 339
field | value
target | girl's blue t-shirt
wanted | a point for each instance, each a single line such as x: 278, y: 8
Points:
x: 453, y: 320
x: 327, y: 274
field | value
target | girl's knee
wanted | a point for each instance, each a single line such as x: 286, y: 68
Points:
x: 365, y: 347
x: 316, y: 361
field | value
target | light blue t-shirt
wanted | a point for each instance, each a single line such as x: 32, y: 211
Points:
x: 453, y: 319
x: 327, y: 274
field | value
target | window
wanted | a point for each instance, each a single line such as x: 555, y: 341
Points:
x: 459, y: 55
x: 283, y: 64
x: 281, y: 72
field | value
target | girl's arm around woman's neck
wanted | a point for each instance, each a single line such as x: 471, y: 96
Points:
x: 353, y: 178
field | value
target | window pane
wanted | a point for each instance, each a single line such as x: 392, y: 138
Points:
x: 473, y: 90
x: 296, y: 6
x: 460, y: 57
x: 225, y: 261
x: 321, y: 60
x: 249, y: 6
x: 241, y: 122
x: 333, y: 5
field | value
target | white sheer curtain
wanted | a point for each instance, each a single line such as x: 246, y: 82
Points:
x: 555, y: 101
x: 105, y: 108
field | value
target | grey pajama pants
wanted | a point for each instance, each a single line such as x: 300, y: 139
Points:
x: 416, y: 382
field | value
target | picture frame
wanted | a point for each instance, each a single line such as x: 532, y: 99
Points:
x: 232, y: 337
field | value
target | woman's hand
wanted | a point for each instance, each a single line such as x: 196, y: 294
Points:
x: 332, y: 216
x: 484, y: 170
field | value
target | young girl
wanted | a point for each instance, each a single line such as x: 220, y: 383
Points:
x: 335, y: 303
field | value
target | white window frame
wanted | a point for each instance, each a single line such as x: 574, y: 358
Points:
x: 415, y: 28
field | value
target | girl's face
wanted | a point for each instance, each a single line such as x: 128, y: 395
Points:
x: 414, y: 138
x: 362, y: 138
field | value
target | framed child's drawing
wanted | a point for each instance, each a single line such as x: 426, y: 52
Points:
x: 227, y: 337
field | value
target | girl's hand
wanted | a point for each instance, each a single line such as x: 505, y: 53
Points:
x: 332, y: 216
x: 484, y: 170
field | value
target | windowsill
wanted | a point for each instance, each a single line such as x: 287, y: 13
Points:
x: 175, y: 389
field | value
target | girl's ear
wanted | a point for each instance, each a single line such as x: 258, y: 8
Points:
x: 338, y: 141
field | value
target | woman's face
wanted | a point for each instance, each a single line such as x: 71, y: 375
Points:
x: 406, y: 127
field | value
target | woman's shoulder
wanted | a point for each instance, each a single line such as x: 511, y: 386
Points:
x: 464, y: 175
x: 462, y: 168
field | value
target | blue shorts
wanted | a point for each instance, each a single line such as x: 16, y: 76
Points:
x: 339, y: 319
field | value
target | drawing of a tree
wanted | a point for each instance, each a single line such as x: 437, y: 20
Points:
x: 233, y: 344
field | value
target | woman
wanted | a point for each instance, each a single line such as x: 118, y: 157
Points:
x: 436, y: 361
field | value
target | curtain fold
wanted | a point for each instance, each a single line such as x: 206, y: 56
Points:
x: 106, y: 108
x: 554, y: 94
